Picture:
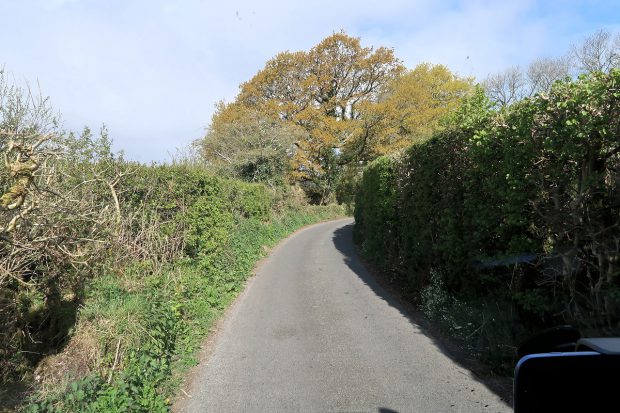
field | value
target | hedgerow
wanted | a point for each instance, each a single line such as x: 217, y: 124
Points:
x: 111, y: 272
x: 517, y: 209
x: 145, y: 317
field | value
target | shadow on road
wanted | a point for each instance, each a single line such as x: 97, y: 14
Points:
x: 343, y: 241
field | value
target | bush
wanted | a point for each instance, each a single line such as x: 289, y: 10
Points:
x: 520, y: 207
x: 144, y: 319
x: 112, y: 271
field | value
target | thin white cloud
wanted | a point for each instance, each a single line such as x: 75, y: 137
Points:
x: 153, y: 70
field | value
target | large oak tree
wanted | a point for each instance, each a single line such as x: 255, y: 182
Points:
x: 318, y: 91
x: 343, y: 104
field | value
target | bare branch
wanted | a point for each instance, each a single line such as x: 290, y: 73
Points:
x: 597, y: 53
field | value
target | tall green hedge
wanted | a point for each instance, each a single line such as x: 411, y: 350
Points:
x: 521, y: 204
x: 380, y: 195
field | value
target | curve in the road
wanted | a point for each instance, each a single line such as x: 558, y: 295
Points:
x: 311, y: 334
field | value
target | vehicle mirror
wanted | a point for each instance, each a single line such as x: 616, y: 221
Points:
x: 583, y: 381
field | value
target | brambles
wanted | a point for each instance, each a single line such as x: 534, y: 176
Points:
x: 111, y: 272
x: 52, y: 226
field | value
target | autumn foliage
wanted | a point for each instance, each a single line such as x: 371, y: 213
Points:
x: 331, y: 109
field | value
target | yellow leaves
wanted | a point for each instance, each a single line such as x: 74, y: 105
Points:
x: 353, y: 103
x: 409, y: 110
x: 281, y: 82
x: 345, y: 73
x: 423, y: 96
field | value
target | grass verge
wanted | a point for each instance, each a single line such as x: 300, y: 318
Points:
x: 139, y: 329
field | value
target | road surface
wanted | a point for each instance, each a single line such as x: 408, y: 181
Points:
x: 313, y: 332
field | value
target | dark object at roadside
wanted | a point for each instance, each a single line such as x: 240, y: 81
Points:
x: 506, y: 261
x: 560, y: 372
x: 556, y: 339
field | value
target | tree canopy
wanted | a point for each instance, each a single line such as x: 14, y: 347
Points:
x: 249, y: 145
x: 336, y: 106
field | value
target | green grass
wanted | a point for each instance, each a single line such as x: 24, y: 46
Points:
x: 150, y: 320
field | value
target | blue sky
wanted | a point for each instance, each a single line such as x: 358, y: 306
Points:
x: 152, y: 70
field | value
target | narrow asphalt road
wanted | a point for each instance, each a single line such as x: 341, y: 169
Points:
x: 313, y: 332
